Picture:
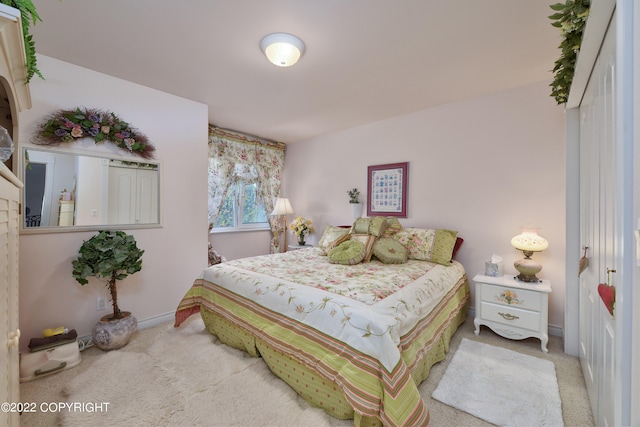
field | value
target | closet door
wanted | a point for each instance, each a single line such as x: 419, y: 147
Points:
x: 122, y: 196
x: 9, y: 332
x: 599, y: 204
x: 133, y: 196
x: 146, y: 196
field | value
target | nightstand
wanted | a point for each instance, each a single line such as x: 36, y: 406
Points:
x: 513, y: 309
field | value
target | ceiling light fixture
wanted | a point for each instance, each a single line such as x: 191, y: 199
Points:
x: 282, y: 49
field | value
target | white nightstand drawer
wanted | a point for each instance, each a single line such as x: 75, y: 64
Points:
x: 512, y: 297
x: 511, y: 316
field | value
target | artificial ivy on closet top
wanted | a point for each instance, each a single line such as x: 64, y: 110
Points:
x: 571, y: 18
x: 28, y: 14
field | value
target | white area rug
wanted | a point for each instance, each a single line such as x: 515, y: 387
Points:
x: 187, y: 381
x: 501, y: 386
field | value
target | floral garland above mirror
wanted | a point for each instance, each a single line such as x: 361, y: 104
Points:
x: 70, y: 125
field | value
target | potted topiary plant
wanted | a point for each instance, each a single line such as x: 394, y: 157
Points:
x: 354, y: 200
x: 110, y: 256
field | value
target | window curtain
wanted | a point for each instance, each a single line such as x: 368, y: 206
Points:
x: 228, y: 149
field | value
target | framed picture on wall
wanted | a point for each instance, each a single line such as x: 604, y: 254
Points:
x: 387, y: 190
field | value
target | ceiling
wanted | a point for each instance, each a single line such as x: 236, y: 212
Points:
x: 365, y: 60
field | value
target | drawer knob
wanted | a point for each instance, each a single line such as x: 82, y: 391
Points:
x: 508, y: 316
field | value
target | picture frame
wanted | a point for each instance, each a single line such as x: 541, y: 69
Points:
x: 387, y: 190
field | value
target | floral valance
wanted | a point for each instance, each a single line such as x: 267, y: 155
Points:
x: 69, y: 125
x: 236, y: 136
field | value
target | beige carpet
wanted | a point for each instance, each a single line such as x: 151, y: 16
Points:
x: 183, y: 379
x: 157, y: 385
x: 501, y: 386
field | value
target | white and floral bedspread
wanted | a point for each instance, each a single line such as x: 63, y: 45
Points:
x: 368, y: 305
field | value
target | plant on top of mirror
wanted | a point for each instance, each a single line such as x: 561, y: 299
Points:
x: 70, y: 125
x: 28, y: 14
x: 571, y: 18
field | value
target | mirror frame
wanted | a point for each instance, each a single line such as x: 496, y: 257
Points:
x: 85, y: 147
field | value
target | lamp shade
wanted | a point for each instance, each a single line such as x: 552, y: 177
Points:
x: 529, y: 241
x: 282, y: 49
x: 282, y: 207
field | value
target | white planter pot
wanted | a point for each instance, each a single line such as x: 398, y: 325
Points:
x: 357, y: 210
x: 114, y: 334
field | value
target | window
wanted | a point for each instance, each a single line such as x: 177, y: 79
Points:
x: 242, y: 209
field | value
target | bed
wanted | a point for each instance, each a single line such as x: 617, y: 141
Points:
x: 354, y: 340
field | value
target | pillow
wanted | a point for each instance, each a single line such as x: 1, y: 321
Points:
x: 377, y: 226
x: 350, y: 252
x: 456, y: 247
x: 390, y: 251
x: 428, y: 244
x: 367, y: 240
x: 393, y: 226
x: 336, y: 242
x: 330, y: 234
x: 361, y: 226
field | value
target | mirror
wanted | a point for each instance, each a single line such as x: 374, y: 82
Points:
x: 66, y: 191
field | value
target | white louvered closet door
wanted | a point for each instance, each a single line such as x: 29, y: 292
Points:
x: 599, y: 204
x: 9, y: 332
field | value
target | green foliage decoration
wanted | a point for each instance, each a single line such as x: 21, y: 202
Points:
x: 354, y: 195
x: 108, y: 256
x: 570, y: 18
x: 28, y: 14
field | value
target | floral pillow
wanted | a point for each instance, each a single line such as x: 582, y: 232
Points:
x: 331, y: 233
x: 428, y: 244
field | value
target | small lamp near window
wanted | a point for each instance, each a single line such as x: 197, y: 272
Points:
x: 528, y: 242
x: 282, y: 207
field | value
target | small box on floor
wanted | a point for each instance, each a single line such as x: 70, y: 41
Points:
x: 49, y: 355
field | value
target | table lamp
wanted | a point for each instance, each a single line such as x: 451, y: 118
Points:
x: 528, y: 242
x: 283, y: 208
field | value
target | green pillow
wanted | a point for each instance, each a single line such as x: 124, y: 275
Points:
x: 390, y: 251
x: 377, y: 225
x: 443, y: 246
x: 393, y: 226
x: 360, y: 226
x: 350, y: 252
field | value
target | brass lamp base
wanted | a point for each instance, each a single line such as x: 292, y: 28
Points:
x: 528, y: 268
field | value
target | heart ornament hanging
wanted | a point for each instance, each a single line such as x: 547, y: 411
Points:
x: 584, y: 262
x: 608, y: 293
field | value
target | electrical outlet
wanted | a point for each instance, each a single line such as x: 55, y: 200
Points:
x: 101, y: 304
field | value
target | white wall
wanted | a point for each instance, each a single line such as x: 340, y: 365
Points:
x: 174, y: 254
x: 484, y: 167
